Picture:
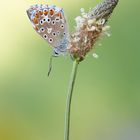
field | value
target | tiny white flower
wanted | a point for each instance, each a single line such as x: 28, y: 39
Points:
x: 95, y: 55
x: 91, y: 21
x: 86, y: 39
x: 84, y: 15
x: 79, y: 22
x: 93, y: 28
x: 79, y: 19
x: 108, y: 34
x: 76, y: 39
x: 106, y: 28
x: 82, y: 10
x: 101, y: 21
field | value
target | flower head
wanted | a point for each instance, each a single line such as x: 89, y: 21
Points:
x: 89, y: 27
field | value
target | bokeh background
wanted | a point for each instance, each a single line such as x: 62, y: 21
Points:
x: 106, y: 100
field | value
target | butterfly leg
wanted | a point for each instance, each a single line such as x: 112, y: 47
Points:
x: 55, y: 54
x: 50, y: 65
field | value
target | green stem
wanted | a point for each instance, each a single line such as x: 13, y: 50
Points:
x: 69, y: 98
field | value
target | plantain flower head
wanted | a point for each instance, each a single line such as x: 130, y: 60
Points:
x: 89, y: 28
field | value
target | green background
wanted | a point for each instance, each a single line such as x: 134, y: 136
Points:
x: 106, y: 100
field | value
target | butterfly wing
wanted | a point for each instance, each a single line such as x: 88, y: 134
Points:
x: 50, y: 23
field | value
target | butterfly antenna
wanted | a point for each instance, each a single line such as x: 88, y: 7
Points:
x: 50, y: 65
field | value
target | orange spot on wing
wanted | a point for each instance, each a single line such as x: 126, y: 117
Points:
x: 35, y: 21
x: 52, y: 12
x: 37, y: 15
x: 46, y: 12
x: 40, y: 12
x: 36, y: 28
x: 59, y: 15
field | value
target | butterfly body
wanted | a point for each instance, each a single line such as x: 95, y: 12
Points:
x: 50, y: 23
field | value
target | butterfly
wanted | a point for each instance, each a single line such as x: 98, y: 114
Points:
x: 51, y: 24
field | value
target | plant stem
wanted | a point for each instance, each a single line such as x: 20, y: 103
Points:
x: 69, y: 98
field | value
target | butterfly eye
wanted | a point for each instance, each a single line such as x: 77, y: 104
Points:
x: 62, y: 26
x: 54, y: 34
x: 64, y: 33
x: 50, y: 40
x: 44, y: 19
x: 53, y: 22
x: 45, y: 36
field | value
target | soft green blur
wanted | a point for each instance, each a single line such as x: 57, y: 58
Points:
x: 106, y: 101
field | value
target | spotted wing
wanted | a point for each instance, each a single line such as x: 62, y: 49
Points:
x: 50, y: 23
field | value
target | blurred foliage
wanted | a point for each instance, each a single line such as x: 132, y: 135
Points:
x: 106, y: 98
